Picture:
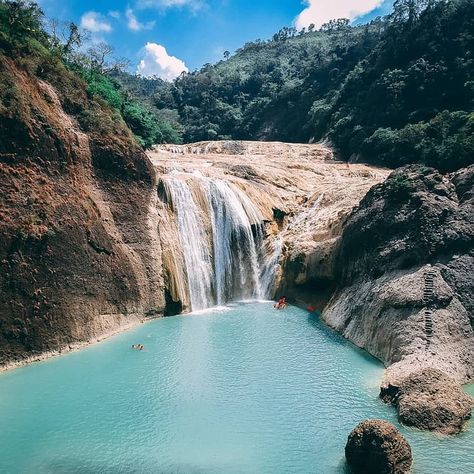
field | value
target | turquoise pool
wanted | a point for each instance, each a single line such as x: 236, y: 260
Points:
x: 244, y: 389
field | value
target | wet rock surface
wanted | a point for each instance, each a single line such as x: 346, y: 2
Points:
x: 429, y: 400
x: 303, y: 195
x: 377, y: 447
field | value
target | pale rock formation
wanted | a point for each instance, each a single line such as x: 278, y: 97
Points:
x: 429, y: 399
x: 302, y: 195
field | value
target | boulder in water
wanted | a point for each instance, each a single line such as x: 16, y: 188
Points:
x: 377, y: 447
x: 428, y: 399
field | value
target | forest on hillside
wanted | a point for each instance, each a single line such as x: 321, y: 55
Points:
x: 395, y: 91
x: 61, y: 54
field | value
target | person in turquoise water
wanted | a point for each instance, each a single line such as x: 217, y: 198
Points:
x: 281, y: 303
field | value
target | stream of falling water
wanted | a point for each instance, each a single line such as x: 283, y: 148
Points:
x: 222, y: 238
x: 197, y: 257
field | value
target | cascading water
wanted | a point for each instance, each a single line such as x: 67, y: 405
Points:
x: 236, y: 262
x: 306, y: 217
x: 222, y: 239
x: 196, y: 253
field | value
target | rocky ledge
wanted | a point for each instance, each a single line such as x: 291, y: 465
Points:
x: 404, y: 271
x: 377, y: 447
x: 429, y: 399
x: 302, y: 193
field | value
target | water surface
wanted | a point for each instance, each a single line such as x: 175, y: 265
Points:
x: 243, y: 390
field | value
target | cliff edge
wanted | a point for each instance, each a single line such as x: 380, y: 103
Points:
x: 78, y: 256
x: 405, y: 266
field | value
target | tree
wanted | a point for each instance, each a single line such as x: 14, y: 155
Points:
x: 22, y: 19
x: 65, y: 38
x: 74, y: 39
x: 101, y: 59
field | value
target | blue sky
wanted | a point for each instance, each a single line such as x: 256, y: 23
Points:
x: 164, y: 37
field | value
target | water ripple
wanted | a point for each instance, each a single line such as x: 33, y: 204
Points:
x: 244, y: 390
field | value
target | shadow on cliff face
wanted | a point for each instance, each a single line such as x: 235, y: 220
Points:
x: 417, y: 216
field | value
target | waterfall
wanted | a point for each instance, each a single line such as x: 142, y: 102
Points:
x: 222, y: 238
x: 192, y: 235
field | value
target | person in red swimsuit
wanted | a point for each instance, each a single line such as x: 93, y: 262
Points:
x: 281, y: 304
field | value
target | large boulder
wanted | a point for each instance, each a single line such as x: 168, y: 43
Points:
x: 429, y: 399
x: 377, y: 447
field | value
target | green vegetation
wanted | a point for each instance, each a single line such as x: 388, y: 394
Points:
x: 50, y: 50
x: 398, y: 90
x: 149, y: 127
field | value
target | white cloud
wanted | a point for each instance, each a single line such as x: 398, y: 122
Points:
x: 157, y: 62
x: 95, y: 22
x: 114, y: 14
x: 133, y: 23
x: 321, y: 11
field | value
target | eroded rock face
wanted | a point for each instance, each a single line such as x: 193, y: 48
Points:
x: 429, y: 400
x: 301, y: 192
x: 377, y: 447
x: 405, y: 273
x: 405, y: 265
x: 78, y: 257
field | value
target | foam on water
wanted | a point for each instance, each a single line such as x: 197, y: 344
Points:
x: 247, y: 389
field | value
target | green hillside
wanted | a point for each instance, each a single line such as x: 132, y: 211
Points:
x: 398, y: 90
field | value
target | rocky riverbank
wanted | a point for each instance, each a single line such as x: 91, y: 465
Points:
x: 390, y: 267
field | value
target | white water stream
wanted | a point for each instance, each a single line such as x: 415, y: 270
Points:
x: 222, y: 238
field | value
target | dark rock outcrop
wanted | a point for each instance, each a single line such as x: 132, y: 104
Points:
x: 405, y: 282
x: 405, y: 272
x: 430, y: 400
x: 418, y: 215
x: 377, y: 447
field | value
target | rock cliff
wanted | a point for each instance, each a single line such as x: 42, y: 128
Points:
x: 405, y: 272
x: 405, y: 267
x: 78, y: 257
x: 303, y: 196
